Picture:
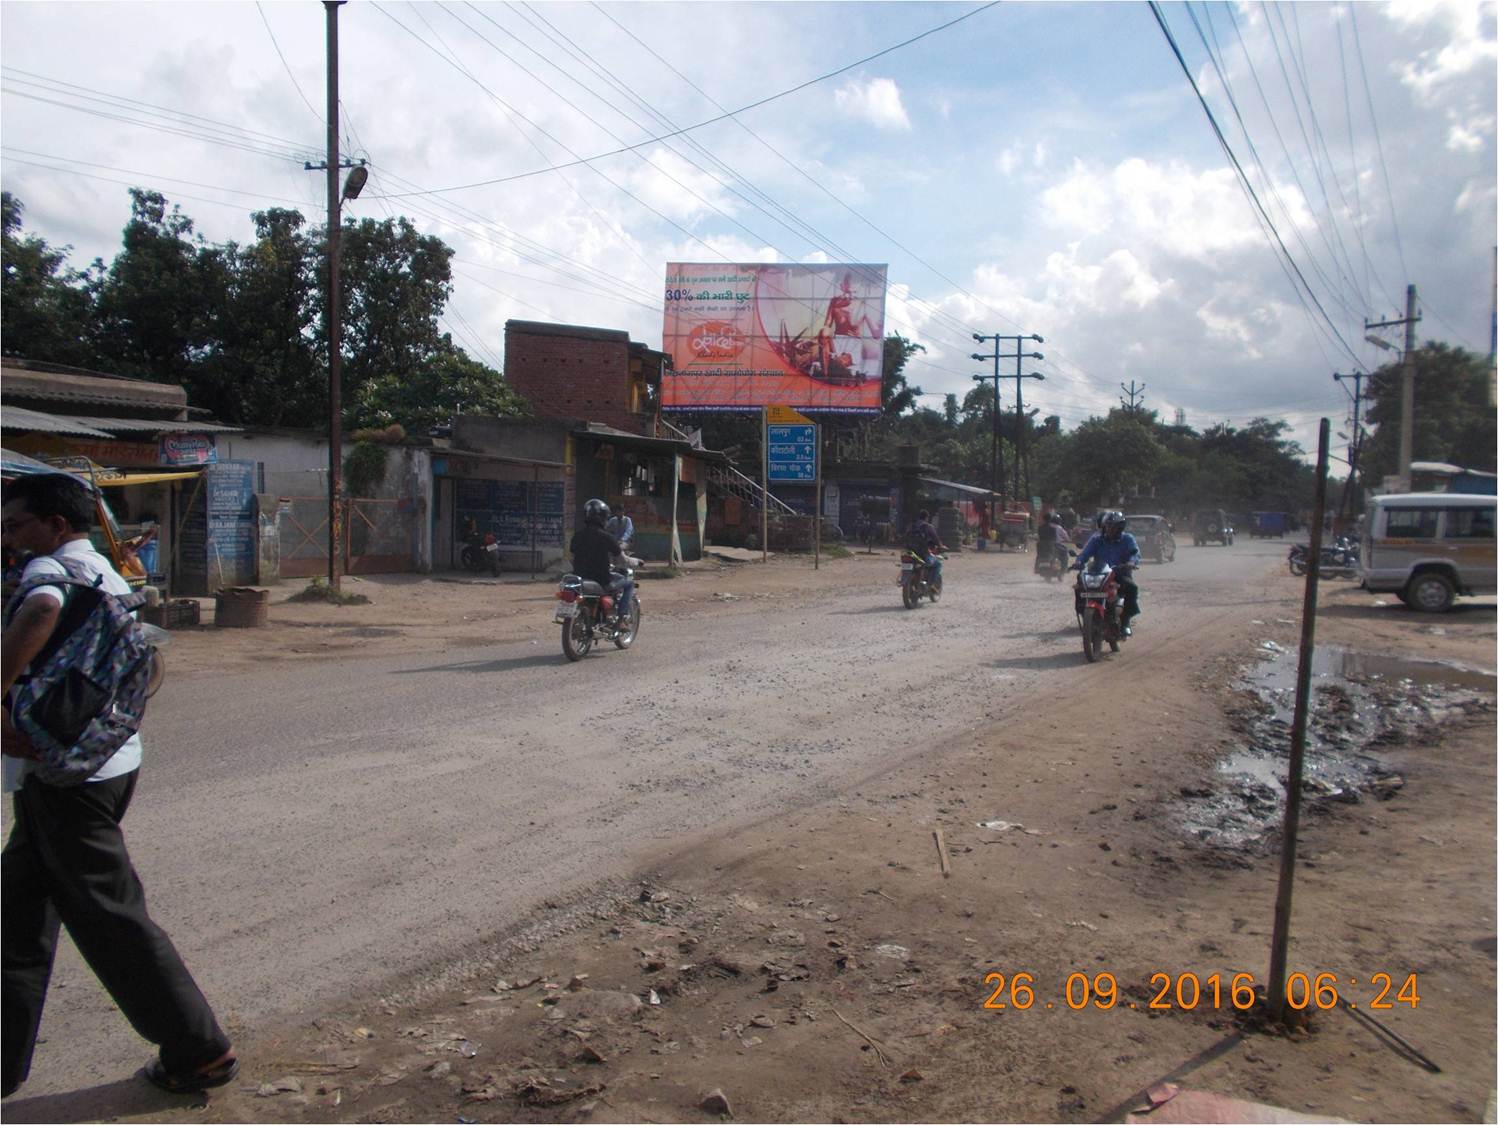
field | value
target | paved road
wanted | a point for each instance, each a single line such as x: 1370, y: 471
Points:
x: 308, y: 835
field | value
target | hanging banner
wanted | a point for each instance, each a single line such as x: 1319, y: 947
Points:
x: 744, y: 336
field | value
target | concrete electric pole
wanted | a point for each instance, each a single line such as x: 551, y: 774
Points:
x: 1406, y: 382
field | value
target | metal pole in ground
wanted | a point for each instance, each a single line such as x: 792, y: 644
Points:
x: 817, y: 523
x: 764, y: 499
x: 1279, y: 943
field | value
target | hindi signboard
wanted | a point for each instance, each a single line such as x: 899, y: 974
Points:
x: 792, y: 453
x: 745, y: 336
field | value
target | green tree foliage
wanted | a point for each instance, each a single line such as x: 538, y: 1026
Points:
x: 242, y: 326
x: 1454, y: 420
x: 44, y: 304
x: 267, y: 363
x: 448, y: 382
x: 155, y: 302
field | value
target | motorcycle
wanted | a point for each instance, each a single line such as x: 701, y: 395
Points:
x: 1099, y: 609
x: 1341, y: 559
x: 586, y: 612
x: 158, y: 638
x: 917, y: 580
x: 1052, y: 560
x: 480, y: 552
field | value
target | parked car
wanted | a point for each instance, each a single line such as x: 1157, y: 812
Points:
x: 1268, y: 524
x: 1428, y: 547
x: 1156, y: 538
x: 1211, y: 525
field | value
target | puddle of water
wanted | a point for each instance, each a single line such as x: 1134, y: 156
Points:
x: 1361, y: 704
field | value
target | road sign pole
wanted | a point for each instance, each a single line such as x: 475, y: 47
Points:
x: 817, y: 524
x: 764, y: 500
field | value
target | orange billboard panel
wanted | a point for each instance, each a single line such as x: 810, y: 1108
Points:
x: 750, y: 335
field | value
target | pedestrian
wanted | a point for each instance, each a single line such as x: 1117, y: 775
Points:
x: 65, y: 863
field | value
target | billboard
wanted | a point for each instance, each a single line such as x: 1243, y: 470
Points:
x: 745, y: 336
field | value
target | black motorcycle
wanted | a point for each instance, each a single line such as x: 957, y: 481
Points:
x: 1340, y: 559
x: 588, y: 613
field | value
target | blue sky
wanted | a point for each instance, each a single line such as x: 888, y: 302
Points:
x: 1039, y: 167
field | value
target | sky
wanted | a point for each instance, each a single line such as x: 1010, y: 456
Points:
x: 1034, y: 168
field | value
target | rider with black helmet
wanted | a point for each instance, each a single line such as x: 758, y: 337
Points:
x: 1116, y: 547
x: 1051, y: 539
x: 594, y: 550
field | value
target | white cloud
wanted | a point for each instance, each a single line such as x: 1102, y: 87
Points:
x: 876, y: 101
x: 1472, y: 43
x: 1009, y: 160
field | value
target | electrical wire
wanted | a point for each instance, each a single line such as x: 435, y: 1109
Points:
x: 285, y: 64
x: 724, y: 116
x: 1352, y: 11
x: 1243, y: 179
x: 136, y: 183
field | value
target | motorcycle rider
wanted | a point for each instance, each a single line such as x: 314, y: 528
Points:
x: 923, y: 541
x: 1116, y: 547
x: 593, y: 553
x: 1051, y: 538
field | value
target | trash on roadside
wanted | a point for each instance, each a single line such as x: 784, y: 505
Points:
x: 1270, y: 646
x: 999, y: 825
x: 715, y: 1102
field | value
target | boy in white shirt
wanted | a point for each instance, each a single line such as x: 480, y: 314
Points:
x: 65, y: 862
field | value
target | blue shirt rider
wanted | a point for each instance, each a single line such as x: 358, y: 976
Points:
x: 1117, y: 548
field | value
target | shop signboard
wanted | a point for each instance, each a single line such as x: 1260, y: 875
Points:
x: 186, y: 449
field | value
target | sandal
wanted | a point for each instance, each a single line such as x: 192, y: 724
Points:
x: 220, y: 1074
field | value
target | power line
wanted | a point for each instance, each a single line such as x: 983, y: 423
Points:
x: 1243, y: 177
x: 285, y: 64
x: 135, y: 184
x: 726, y: 115
x: 1377, y: 137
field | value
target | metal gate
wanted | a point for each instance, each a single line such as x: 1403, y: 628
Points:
x: 379, y: 536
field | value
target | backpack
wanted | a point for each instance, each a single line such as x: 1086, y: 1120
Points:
x: 85, y: 695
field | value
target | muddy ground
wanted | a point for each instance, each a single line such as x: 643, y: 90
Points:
x: 817, y: 965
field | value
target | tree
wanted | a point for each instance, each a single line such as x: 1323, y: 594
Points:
x: 1104, y: 459
x: 156, y: 300
x: 45, y: 305
x: 1454, y: 418
x: 896, y: 395
x: 447, y: 383
x: 266, y: 363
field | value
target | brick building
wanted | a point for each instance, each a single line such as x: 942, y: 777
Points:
x: 573, y: 372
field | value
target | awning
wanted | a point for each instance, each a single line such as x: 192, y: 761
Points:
x: 147, y: 478
x: 19, y: 418
x: 962, y: 491
x: 154, y: 425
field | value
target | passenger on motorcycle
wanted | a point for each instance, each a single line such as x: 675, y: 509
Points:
x: 594, y: 551
x: 1116, y: 547
x: 622, y: 528
x: 923, y: 541
x: 1051, y: 539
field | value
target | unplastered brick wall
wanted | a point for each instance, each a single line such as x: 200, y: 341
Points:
x: 568, y: 372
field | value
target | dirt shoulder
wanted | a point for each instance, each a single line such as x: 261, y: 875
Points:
x: 820, y: 967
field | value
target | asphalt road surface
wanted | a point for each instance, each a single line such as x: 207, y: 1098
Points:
x: 314, y: 834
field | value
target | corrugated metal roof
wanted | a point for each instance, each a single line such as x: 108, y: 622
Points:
x: 19, y: 418
x: 155, y: 425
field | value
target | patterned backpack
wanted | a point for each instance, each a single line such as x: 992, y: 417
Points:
x: 86, y: 692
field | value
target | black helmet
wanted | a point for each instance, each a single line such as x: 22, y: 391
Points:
x: 1115, y: 519
x: 1055, y: 517
x: 596, y: 512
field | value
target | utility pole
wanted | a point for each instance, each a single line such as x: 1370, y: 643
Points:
x: 350, y: 190
x: 1349, y: 501
x: 1406, y: 383
x: 997, y: 458
x: 1136, y: 396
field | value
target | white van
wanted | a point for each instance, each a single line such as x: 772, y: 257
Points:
x: 1427, y: 547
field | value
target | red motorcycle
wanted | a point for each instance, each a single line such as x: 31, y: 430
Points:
x: 1099, y: 609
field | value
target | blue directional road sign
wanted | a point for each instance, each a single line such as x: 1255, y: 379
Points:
x: 793, y: 453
